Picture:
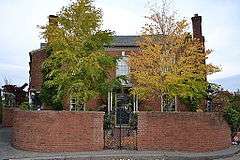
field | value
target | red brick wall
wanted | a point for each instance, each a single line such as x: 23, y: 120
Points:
x: 183, y: 131
x: 7, y: 117
x: 52, y: 131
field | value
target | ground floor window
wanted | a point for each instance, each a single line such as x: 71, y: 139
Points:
x: 35, y: 100
x: 122, y: 98
x: 169, y: 103
x: 122, y: 106
x: 75, y: 105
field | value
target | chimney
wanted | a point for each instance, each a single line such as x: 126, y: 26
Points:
x: 197, y: 27
x: 53, y: 23
x: 43, y: 45
x: 52, y: 19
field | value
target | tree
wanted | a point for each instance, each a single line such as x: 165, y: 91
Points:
x: 1, y: 105
x: 232, y: 116
x: 170, y: 62
x: 49, y: 97
x: 14, y: 95
x: 232, y: 111
x: 235, y: 100
x: 220, y: 98
x: 77, y: 65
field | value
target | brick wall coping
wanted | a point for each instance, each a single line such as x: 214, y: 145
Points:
x: 180, y: 113
x: 63, y: 111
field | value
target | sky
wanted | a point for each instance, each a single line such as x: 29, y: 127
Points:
x: 19, y: 33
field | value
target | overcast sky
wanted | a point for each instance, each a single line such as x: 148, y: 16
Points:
x: 19, y: 33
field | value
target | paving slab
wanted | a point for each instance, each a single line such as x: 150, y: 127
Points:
x: 8, y: 152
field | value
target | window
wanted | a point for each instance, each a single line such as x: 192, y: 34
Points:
x: 122, y: 67
x: 169, y: 104
x: 75, y: 105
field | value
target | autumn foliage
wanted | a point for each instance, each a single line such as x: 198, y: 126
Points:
x: 170, y: 62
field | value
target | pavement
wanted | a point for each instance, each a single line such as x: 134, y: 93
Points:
x: 8, y: 152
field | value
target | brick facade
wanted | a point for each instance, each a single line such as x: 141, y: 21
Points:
x: 51, y: 131
x: 128, y: 46
x: 152, y: 104
x: 183, y: 131
x: 7, y: 117
x: 36, y: 77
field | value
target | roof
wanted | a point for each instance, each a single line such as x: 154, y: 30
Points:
x: 118, y: 41
x: 124, y: 41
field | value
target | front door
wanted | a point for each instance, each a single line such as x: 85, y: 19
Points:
x: 123, y: 109
x: 122, y: 116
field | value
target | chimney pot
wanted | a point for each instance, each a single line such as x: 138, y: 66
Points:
x: 43, y: 45
x: 52, y: 16
x: 52, y: 19
x: 196, y: 15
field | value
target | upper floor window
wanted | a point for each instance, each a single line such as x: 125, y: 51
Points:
x: 122, y: 66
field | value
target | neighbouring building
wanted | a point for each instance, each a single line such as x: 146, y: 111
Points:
x: 121, y: 46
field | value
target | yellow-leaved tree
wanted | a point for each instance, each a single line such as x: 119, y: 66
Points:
x: 170, y: 62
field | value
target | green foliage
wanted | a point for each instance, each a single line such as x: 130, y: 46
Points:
x: 235, y: 101
x: 48, y: 96
x: 77, y: 65
x: 232, y: 116
x: 1, y: 106
x: 1, y: 101
x: 9, y: 100
x: 89, y: 109
x: 149, y: 109
x: 232, y: 113
x: 25, y: 106
x: 192, y: 102
x: 107, y: 125
x: 133, y: 123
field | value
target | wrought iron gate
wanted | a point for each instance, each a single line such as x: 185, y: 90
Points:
x: 120, y: 132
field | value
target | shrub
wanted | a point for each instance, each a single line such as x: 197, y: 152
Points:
x: 1, y: 105
x: 149, y: 109
x: 133, y: 121
x: 192, y: 103
x: 107, y: 122
x: 48, y: 96
x: 232, y: 116
x: 25, y: 106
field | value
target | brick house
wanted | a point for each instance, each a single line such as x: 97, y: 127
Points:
x: 121, y: 46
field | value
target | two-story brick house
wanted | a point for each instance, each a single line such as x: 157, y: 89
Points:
x: 121, y: 46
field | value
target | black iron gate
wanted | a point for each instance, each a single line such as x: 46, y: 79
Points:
x: 120, y: 132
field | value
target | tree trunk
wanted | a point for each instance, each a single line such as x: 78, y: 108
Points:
x: 176, y: 107
x: 161, y: 104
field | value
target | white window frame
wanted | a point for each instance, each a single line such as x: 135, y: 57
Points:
x: 122, y: 65
x: 75, y: 105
